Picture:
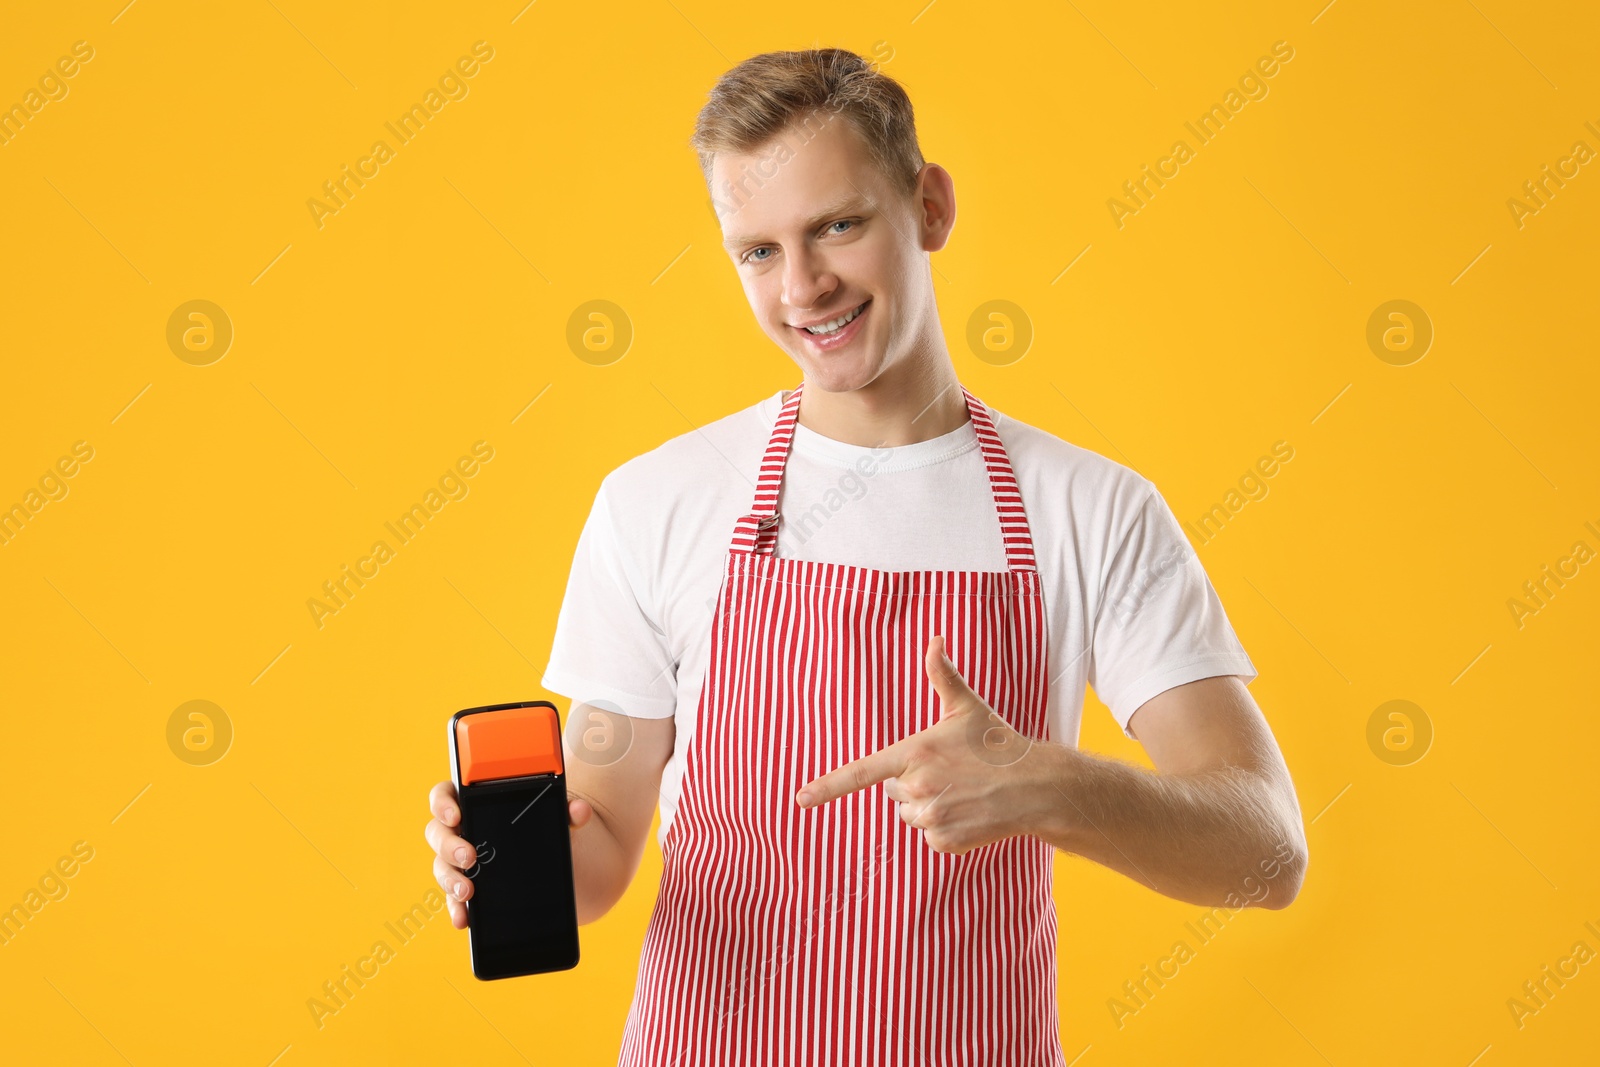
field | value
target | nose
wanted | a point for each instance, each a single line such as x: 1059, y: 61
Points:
x: 807, y: 282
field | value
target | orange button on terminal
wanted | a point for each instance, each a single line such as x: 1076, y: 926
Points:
x: 508, y: 744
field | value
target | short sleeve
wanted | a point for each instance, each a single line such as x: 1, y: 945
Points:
x: 607, y: 645
x: 1159, y: 623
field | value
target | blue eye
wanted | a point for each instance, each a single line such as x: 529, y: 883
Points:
x: 746, y: 258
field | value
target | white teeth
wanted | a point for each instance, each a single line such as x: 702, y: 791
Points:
x: 836, y: 324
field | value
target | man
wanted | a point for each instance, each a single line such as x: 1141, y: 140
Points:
x: 848, y: 631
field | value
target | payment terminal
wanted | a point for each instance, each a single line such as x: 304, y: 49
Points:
x: 506, y: 762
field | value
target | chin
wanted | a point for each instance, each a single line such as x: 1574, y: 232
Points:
x: 840, y: 377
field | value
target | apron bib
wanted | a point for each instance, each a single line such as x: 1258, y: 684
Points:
x: 835, y: 935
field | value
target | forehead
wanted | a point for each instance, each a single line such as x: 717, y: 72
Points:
x: 803, y: 172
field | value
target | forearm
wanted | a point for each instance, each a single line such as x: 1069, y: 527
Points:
x: 601, y: 869
x: 1224, y: 837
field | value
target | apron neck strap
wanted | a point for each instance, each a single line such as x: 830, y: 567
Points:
x: 757, y: 531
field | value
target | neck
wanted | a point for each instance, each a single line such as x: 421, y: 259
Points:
x: 901, y: 406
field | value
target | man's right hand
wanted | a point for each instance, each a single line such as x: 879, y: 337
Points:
x: 453, y: 855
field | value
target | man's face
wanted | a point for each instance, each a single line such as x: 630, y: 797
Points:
x: 816, y: 232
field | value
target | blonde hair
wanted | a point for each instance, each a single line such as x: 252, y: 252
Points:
x: 762, y: 96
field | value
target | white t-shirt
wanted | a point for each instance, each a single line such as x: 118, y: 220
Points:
x: 1129, y: 607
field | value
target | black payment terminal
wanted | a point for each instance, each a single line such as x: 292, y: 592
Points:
x: 506, y: 762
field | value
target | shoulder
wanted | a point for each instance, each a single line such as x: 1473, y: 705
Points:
x: 1069, y: 481
x: 700, y: 466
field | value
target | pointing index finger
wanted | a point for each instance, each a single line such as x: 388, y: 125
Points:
x: 853, y: 776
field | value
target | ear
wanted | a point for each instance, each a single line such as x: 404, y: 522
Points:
x: 935, y: 204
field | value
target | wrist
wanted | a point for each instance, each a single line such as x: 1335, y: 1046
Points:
x: 1042, y: 797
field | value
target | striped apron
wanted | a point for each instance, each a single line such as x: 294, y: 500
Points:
x: 836, y: 935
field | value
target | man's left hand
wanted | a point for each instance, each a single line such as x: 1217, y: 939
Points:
x: 961, y: 781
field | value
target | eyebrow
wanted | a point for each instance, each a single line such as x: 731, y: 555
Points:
x: 849, y: 203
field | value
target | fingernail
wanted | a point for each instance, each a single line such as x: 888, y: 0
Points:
x: 450, y: 816
x: 461, y: 856
x: 461, y: 891
x: 804, y: 799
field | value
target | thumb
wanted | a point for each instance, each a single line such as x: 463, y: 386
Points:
x: 579, y: 811
x: 955, y: 696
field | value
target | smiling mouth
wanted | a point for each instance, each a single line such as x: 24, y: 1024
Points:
x: 834, y: 326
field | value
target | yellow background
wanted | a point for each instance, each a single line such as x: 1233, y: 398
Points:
x: 370, y: 353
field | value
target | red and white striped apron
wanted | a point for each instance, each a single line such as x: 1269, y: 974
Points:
x: 835, y: 935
